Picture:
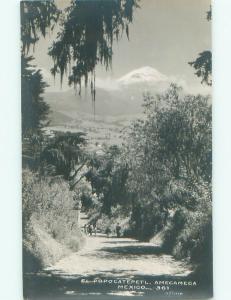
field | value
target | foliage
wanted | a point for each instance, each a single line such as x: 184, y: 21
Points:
x: 163, y: 168
x: 186, y: 236
x: 198, y: 230
x: 34, y: 108
x: 168, y: 157
x: 203, y: 63
x: 49, y: 203
x: 84, y: 193
x: 29, y: 203
x: 41, y: 195
x: 63, y: 152
x: 203, y: 67
x: 36, y: 17
x: 209, y: 14
x: 174, y: 141
x: 40, y: 250
x: 147, y: 219
x: 106, y: 223
x: 107, y: 175
x: 189, y: 235
x: 86, y: 38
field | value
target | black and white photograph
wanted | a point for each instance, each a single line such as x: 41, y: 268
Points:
x: 116, y: 133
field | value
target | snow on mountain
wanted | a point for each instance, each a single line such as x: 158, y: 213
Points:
x: 118, y: 102
x: 126, y: 99
x: 143, y: 75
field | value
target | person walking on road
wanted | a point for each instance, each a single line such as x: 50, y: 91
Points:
x: 85, y: 229
x: 90, y: 229
x: 95, y: 229
x: 108, y: 231
x: 118, y: 228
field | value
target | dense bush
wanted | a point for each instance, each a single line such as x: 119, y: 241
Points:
x: 168, y: 154
x: 161, y: 176
x: 40, y: 249
x: 50, y: 222
x: 108, y: 175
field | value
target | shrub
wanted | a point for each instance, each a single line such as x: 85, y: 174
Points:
x: 50, y: 223
x: 40, y: 249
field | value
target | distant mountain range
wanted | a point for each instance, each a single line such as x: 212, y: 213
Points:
x: 125, y: 98
x: 146, y: 74
x: 116, y: 104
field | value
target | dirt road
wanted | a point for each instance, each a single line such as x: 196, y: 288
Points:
x: 95, y: 271
x: 118, y: 256
x: 110, y: 258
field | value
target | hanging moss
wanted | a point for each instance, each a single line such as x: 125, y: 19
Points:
x: 86, y: 38
x: 36, y: 17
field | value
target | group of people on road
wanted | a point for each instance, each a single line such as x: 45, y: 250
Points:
x: 90, y: 229
x: 117, y: 229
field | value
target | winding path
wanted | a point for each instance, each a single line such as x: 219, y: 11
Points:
x: 112, y: 257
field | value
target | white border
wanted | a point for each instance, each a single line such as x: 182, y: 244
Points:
x: 10, y: 152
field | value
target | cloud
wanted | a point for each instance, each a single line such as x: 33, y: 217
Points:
x: 107, y: 83
x: 111, y: 84
x: 191, y: 88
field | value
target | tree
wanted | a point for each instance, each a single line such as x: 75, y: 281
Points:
x: 63, y: 153
x: 169, y: 157
x: 176, y: 135
x: 36, y: 18
x: 86, y: 38
x: 203, y: 67
x: 34, y: 108
x: 108, y: 176
x: 203, y: 63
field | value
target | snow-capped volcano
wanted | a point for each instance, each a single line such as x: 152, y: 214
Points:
x: 143, y: 75
x: 116, y: 98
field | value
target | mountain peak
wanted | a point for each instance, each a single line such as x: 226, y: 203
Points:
x: 144, y: 74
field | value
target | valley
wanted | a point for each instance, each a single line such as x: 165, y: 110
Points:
x: 117, y: 104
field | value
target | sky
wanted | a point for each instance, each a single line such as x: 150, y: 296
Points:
x: 165, y: 35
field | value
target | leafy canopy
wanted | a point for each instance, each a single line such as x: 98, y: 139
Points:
x: 87, y: 36
x: 203, y: 63
x: 36, y: 17
x: 34, y: 109
x: 63, y: 152
x: 173, y: 143
x: 203, y: 67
